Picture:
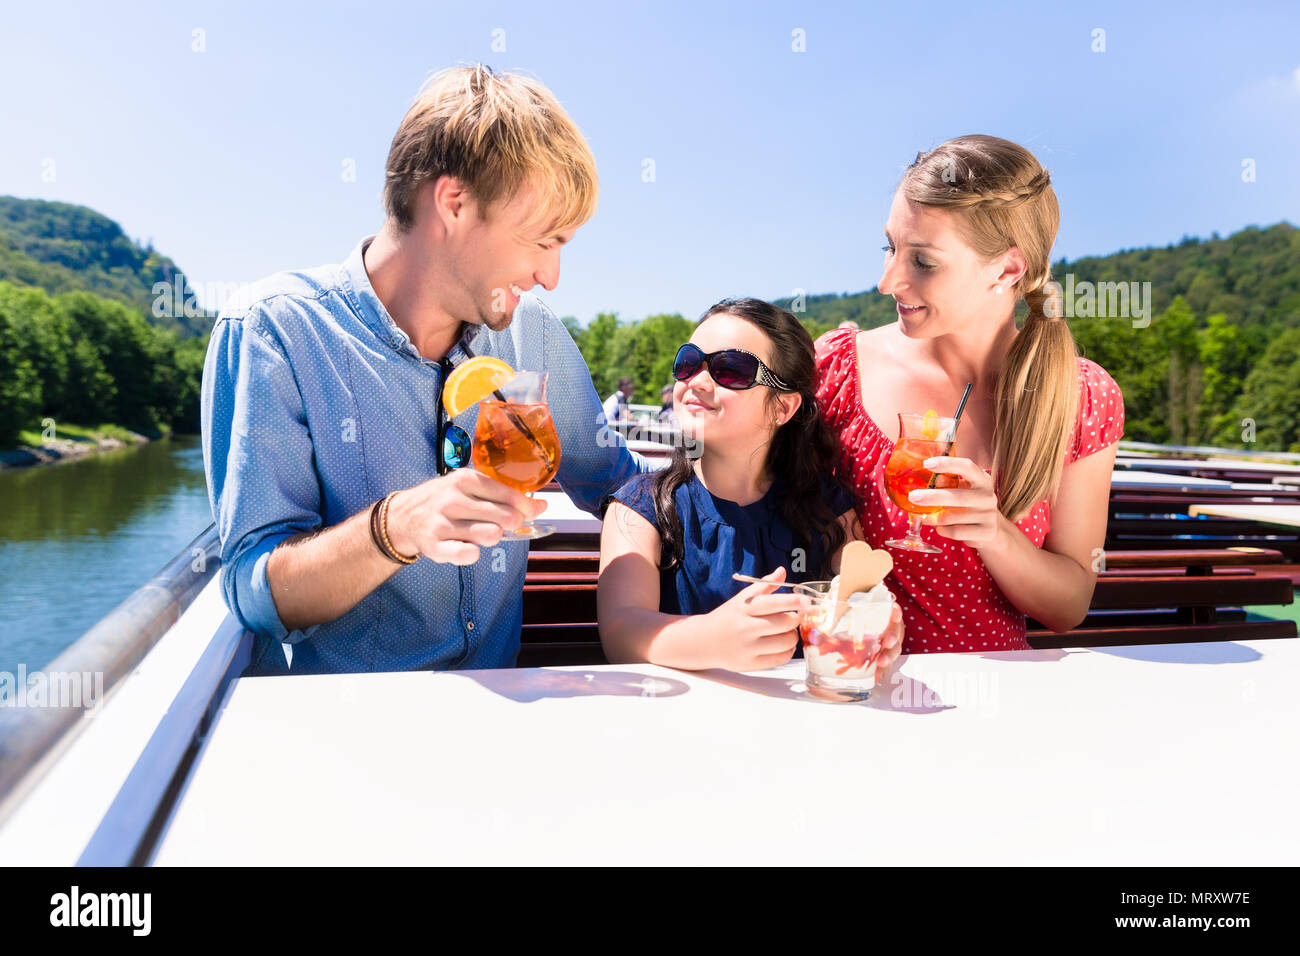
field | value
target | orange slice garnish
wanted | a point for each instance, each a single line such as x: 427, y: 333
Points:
x: 930, y: 425
x: 474, y: 381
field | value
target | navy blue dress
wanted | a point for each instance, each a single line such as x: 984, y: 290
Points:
x: 721, y: 537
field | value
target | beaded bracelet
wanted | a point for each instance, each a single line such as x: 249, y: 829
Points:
x: 379, y: 532
x: 374, y: 527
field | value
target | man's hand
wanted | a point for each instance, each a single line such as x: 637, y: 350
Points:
x: 447, y: 519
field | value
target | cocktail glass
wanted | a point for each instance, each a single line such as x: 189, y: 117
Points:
x: 919, y: 437
x: 515, y: 443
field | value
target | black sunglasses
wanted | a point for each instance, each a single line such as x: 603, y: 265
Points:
x: 735, y: 369
x: 452, y: 441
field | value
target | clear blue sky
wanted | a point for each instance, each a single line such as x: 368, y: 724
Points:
x: 774, y: 169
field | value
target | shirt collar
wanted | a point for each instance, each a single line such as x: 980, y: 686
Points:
x: 361, y: 296
x: 725, y: 511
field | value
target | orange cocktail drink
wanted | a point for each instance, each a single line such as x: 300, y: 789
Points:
x: 920, y: 437
x: 515, y: 442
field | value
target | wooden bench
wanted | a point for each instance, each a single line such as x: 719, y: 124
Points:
x: 1142, y: 597
x: 1167, y: 596
x: 1130, y: 502
x: 1226, y: 472
x: 551, y: 561
x: 1160, y: 520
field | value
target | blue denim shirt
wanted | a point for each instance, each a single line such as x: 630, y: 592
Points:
x: 315, y: 405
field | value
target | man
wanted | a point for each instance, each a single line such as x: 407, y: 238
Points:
x: 666, y: 415
x: 322, y: 395
x: 616, y: 405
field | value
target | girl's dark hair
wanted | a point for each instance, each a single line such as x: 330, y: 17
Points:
x: 804, y: 451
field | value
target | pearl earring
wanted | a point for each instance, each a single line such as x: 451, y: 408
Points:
x: 997, y: 289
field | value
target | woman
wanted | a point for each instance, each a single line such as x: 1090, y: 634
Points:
x: 970, y: 232
x: 758, y: 498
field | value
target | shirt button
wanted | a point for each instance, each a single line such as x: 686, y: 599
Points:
x: 469, y: 625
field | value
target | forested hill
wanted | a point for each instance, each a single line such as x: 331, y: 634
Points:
x: 60, y: 247
x: 1252, y: 277
x: 80, y: 340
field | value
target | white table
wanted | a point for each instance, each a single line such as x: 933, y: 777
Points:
x: 1193, y: 464
x: 564, y: 516
x: 1287, y: 515
x: 1174, y: 755
x: 1148, y: 480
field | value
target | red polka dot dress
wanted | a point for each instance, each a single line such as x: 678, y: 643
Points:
x: 950, y: 602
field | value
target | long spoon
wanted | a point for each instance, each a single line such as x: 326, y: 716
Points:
x: 737, y: 576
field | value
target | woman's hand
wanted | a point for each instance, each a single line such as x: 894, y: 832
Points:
x: 891, y: 644
x: 757, y: 629
x: 970, y: 511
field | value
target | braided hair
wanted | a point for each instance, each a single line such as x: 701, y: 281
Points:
x: 1001, y: 198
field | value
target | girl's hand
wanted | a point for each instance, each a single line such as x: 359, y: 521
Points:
x: 757, y: 628
x: 891, y: 644
x: 970, y: 511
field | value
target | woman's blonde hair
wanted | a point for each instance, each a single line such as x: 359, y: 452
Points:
x: 1002, y: 197
x: 496, y: 132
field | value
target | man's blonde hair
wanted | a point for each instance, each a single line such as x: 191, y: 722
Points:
x: 495, y: 132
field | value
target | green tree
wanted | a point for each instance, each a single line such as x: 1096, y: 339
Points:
x: 20, y: 384
x: 1270, y: 396
x: 91, y: 390
x: 1177, y: 331
x: 595, y: 348
x: 1139, y: 362
x: 42, y: 337
x: 188, y: 358
x: 131, y: 352
x: 1226, y: 355
x: 644, y: 350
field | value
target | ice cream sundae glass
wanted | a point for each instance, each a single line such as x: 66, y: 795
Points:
x: 845, y: 622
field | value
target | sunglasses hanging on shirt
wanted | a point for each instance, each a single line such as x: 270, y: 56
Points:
x: 452, y: 441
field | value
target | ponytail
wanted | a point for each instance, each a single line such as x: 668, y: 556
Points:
x: 1035, y: 405
x: 1002, y: 197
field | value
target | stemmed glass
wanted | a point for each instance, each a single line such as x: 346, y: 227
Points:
x: 515, y: 442
x: 919, y: 437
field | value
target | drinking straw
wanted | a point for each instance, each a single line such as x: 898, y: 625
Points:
x: 956, y: 420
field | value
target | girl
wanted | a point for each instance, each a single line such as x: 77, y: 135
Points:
x: 754, y: 496
x: 970, y: 232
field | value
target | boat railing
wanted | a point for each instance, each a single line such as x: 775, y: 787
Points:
x: 110, y: 651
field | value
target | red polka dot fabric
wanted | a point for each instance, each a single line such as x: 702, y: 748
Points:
x: 950, y: 602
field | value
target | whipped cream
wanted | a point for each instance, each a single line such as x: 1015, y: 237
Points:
x: 865, y: 616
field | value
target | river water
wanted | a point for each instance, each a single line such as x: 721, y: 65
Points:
x: 78, y: 537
